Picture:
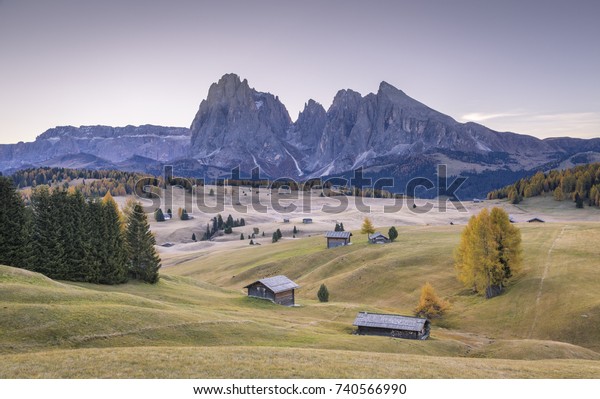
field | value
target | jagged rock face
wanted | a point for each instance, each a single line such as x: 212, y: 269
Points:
x: 112, y: 144
x: 386, y: 133
x: 238, y: 126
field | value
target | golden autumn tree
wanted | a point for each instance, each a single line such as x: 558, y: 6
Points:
x: 430, y: 304
x: 489, y: 252
x: 367, y: 227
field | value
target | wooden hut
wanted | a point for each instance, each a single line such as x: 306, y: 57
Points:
x: 337, y: 238
x: 391, y: 325
x: 278, y: 289
x: 535, y: 220
x: 307, y: 220
x: 378, y: 238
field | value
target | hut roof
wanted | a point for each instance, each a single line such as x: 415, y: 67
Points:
x: 377, y: 234
x: 536, y: 219
x: 391, y: 321
x: 277, y: 284
x: 338, y: 234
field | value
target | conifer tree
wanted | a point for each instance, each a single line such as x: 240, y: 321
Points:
x: 295, y: 231
x: 489, y: 252
x: 367, y: 227
x: 13, y: 226
x: 279, y: 235
x: 242, y: 236
x: 193, y: 236
x: 114, y: 268
x: 337, y: 227
x: 47, y: 249
x: 144, y: 262
x: 275, y: 238
x: 220, y: 223
x: 342, y: 226
x: 393, y: 233
x: 430, y: 305
x: 229, y: 222
x: 158, y: 215
x: 323, y: 293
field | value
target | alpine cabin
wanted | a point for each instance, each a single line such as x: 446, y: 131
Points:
x: 278, y: 289
x: 337, y: 238
x: 378, y: 238
x: 391, y: 325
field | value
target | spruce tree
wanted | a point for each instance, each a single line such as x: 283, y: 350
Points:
x: 76, y: 239
x: 275, y: 238
x: 13, y: 226
x: 158, y: 215
x: 114, y: 267
x: 323, y: 294
x: 393, y: 233
x: 279, y: 235
x: 144, y: 262
x: 47, y: 249
x: 242, y: 236
x: 295, y: 231
x: 193, y: 236
x: 95, y: 232
x: 337, y: 227
x: 342, y: 227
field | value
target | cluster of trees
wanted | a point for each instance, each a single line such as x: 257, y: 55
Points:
x: 217, y: 223
x: 100, y: 182
x: 66, y: 237
x: 489, y: 252
x: 580, y: 184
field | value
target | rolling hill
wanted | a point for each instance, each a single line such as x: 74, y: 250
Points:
x: 197, y: 321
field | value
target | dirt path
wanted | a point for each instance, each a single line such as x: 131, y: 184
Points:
x: 544, y: 275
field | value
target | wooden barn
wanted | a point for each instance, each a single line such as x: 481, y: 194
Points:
x: 391, y: 325
x: 378, y: 238
x: 278, y: 289
x: 337, y: 238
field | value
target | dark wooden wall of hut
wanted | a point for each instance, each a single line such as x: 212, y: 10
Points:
x: 260, y: 291
x: 285, y: 298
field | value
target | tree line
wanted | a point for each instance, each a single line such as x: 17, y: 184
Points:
x: 580, y: 184
x: 66, y: 237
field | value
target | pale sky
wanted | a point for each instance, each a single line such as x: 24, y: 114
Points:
x: 525, y: 66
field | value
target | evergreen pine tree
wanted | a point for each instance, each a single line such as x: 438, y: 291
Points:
x: 144, y: 262
x: 158, y: 215
x: 229, y: 222
x: 393, y: 233
x: 323, y: 294
x: 95, y: 232
x: 295, y: 231
x: 342, y: 227
x: 275, y: 238
x: 220, y: 223
x: 242, y: 236
x: 76, y: 238
x: 114, y: 269
x: 337, y: 227
x: 47, y: 250
x: 279, y: 235
x: 193, y: 236
x: 13, y: 226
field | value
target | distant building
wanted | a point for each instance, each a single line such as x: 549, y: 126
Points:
x: 278, y: 289
x: 535, y: 220
x: 337, y: 238
x: 378, y: 238
x: 391, y: 325
x: 476, y: 200
x: 286, y: 220
x: 307, y: 220
x: 511, y: 219
x: 285, y: 190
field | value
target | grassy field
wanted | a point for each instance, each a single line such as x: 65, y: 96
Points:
x: 197, y: 322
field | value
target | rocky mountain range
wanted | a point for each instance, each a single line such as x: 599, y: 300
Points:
x: 387, y: 134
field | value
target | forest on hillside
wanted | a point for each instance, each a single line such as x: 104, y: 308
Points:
x: 580, y: 184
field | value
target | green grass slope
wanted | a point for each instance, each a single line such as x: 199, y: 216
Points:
x: 197, y: 322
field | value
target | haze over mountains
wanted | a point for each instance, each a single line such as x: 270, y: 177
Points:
x: 386, y: 133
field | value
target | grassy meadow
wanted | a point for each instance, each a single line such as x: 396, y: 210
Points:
x: 198, y: 323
